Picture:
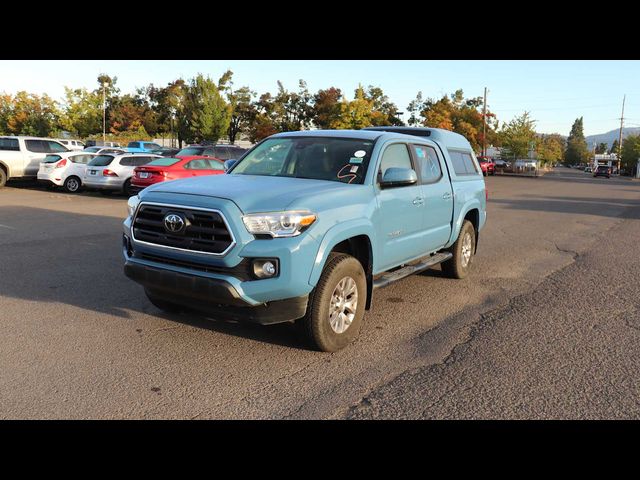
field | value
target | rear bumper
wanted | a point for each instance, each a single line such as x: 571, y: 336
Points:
x: 215, y: 297
x: 106, y: 183
x: 49, y: 179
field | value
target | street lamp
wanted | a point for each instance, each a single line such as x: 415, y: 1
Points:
x: 104, y: 112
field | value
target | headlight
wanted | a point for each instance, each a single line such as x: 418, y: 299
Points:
x: 279, y: 224
x: 132, y: 204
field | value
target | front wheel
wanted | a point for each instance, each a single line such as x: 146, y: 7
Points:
x: 336, y: 306
x: 3, y: 178
x: 463, y: 251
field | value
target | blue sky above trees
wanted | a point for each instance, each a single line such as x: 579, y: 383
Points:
x: 555, y: 92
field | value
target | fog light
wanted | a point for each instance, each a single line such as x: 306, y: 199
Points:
x: 265, y: 268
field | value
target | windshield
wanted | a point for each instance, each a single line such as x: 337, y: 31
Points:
x: 190, y: 151
x: 92, y: 149
x: 101, y: 161
x: 319, y: 158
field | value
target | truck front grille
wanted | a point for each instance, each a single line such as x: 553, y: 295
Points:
x: 205, y: 231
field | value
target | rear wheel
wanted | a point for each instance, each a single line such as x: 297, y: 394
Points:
x: 162, y: 304
x: 336, y: 305
x: 463, y: 251
x: 72, y: 185
x: 3, y: 178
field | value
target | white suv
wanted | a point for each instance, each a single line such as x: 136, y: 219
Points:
x: 113, y: 172
x: 20, y: 157
x: 65, y: 169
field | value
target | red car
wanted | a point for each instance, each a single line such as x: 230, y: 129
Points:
x: 163, y: 169
x: 487, y: 166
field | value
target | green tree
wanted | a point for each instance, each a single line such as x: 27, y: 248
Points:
x: 630, y: 152
x: 243, y: 110
x: 384, y: 112
x: 206, y: 113
x: 355, y: 114
x: 615, y: 146
x: 414, y: 109
x: 550, y: 148
x: 602, y: 147
x: 517, y: 136
x: 82, y: 112
x: 576, y: 151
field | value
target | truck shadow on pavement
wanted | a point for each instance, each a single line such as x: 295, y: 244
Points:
x: 59, y: 258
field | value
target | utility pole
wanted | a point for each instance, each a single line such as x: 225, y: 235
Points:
x: 484, y: 124
x: 104, y: 112
x: 620, y: 137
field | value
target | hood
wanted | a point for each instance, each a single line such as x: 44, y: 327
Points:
x: 253, y: 193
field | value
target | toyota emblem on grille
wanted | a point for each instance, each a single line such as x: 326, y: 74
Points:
x: 173, y: 223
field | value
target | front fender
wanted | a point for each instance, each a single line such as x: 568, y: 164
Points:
x: 335, y: 235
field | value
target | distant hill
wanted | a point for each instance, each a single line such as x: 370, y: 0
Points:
x: 609, y: 137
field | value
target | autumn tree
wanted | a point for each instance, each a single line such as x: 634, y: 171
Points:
x: 326, y: 107
x: 576, y: 151
x: 518, y: 136
x: 459, y: 114
x: 29, y: 114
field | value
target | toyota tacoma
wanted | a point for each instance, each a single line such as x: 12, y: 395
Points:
x: 305, y: 226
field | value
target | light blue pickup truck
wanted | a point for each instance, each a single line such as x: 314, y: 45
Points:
x: 306, y: 226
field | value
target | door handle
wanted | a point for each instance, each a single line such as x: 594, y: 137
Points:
x: 418, y: 201
x: 446, y: 196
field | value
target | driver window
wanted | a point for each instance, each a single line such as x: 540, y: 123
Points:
x: 395, y: 156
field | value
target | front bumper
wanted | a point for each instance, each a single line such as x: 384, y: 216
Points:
x: 215, y: 297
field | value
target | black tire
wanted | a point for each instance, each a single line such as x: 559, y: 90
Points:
x: 456, y: 267
x: 126, y: 188
x: 72, y: 184
x: 315, y: 326
x: 162, y: 304
x: 3, y: 178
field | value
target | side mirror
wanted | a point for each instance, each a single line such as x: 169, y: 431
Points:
x: 398, y: 177
x: 228, y: 164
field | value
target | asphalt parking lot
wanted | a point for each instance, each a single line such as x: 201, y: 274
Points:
x: 546, y: 325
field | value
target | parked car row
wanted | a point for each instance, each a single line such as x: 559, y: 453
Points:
x: 107, y: 167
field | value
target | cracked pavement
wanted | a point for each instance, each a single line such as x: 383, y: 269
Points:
x: 546, y: 326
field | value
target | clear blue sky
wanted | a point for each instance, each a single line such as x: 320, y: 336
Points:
x: 555, y: 92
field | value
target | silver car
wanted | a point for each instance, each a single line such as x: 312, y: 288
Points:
x: 111, y: 172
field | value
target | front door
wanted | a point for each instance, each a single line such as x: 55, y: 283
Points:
x: 399, y: 220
